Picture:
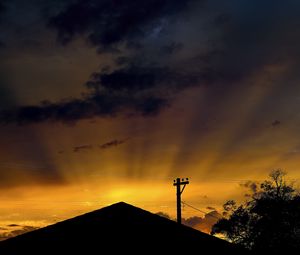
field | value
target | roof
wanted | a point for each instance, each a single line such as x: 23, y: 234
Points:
x: 117, y: 228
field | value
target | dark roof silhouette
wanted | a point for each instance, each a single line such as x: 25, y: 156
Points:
x: 119, y: 228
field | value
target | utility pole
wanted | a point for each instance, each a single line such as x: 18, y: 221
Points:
x: 179, y: 191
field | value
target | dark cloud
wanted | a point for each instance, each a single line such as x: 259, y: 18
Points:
x: 103, y: 146
x: 221, y: 20
x: 171, y: 48
x: 208, y: 221
x: 107, y: 24
x: 13, y: 225
x: 131, y: 79
x: 165, y: 47
x: 165, y: 215
x: 257, y: 39
x: 141, y: 90
x: 136, y: 78
x: 112, y: 143
x: 16, y: 232
x: 210, y: 208
x: 251, y: 186
x: 2, y: 9
x: 82, y: 147
x: 192, y: 221
x: 95, y: 105
x: 203, y: 224
x: 276, y: 123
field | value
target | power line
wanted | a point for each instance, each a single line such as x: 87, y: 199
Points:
x: 206, y: 214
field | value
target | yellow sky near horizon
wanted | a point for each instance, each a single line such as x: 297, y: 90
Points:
x: 46, y: 175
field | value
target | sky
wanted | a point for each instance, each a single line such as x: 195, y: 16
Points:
x: 104, y: 101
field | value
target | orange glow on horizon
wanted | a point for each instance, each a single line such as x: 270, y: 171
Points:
x: 217, y: 158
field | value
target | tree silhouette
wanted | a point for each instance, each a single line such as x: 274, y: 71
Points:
x: 268, y: 222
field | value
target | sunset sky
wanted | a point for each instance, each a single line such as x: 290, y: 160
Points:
x: 104, y: 101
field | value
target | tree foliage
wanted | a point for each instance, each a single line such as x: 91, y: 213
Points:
x: 269, y: 221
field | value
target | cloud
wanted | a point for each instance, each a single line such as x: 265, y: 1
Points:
x: 137, y: 78
x: 134, y: 90
x: 159, y: 48
x: 82, y: 147
x: 165, y: 215
x: 2, y: 9
x: 112, y: 143
x: 13, y: 225
x: 251, y: 186
x: 104, y: 146
x: 208, y: 221
x: 203, y: 224
x: 172, y: 48
x: 108, y: 24
x: 132, y: 79
x: 276, y: 123
x: 102, y: 104
x: 22, y: 230
x: 192, y: 221
x: 210, y: 208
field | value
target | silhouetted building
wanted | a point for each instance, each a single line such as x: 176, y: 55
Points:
x: 117, y: 229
